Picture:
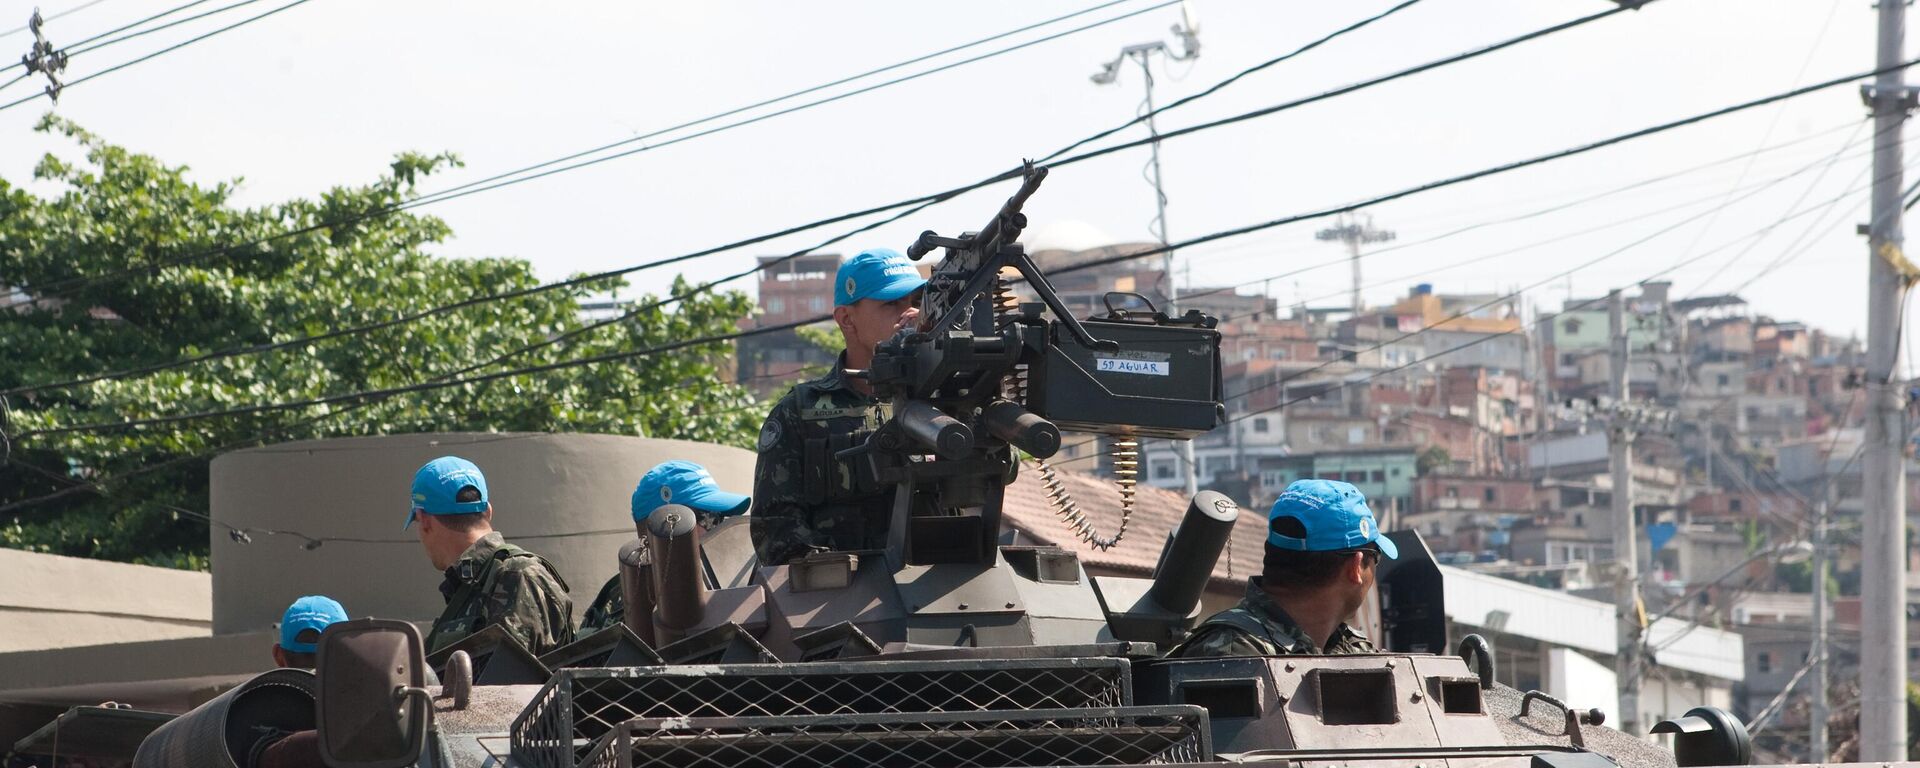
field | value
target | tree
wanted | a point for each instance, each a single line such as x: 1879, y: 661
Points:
x: 1432, y: 458
x: 150, y: 267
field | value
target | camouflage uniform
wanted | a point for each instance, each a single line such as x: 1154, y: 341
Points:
x: 805, y: 498
x: 607, y: 609
x: 1258, y: 627
x: 498, y: 583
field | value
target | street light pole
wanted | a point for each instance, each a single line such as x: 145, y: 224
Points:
x: 1883, y: 556
x: 1108, y: 74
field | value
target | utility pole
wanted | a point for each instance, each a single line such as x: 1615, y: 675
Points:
x: 1817, y: 717
x: 1354, y: 231
x: 1626, y: 572
x: 1883, y: 590
x: 1188, y: 32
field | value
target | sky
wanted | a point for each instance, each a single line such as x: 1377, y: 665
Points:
x: 327, y: 92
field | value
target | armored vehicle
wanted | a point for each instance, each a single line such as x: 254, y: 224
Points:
x: 951, y: 646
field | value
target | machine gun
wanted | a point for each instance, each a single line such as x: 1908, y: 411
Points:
x: 984, y: 374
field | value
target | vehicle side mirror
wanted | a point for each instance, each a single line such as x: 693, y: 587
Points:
x: 373, y: 704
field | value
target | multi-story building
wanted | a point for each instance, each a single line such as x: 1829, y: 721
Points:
x: 789, y: 291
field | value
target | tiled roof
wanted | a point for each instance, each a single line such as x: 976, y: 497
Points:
x: 1155, y: 513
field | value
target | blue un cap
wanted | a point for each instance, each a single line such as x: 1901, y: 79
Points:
x: 438, y: 484
x: 1333, y: 514
x: 877, y: 273
x: 313, y: 612
x: 686, y: 483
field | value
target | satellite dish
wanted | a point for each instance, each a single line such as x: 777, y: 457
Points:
x: 1188, y: 30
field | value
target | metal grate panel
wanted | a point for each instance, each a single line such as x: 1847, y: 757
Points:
x: 578, y: 707
x: 1078, y: 737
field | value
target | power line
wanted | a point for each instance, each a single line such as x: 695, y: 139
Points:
x: 587, y: 279
x: 390, y: 392
x: 1491, y: 336
x: 1529, y: 215
x: 502, y: 180
x: 1509, y: 296
x: 158, y: 53
x: 1086, y: 265
x: 1006, y: 175
x: 80, y: 46
x: 425, y: 386
x: 62, y: 14
x: 450, y: 193
x: 1752, y: 190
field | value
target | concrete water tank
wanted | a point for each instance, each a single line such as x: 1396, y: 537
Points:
x: 564, y: 496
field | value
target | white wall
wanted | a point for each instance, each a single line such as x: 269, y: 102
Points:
x: 1582, y: 682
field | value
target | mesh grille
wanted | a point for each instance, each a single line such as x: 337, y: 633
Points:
x: 578, y: 707
x: 1080, y: 737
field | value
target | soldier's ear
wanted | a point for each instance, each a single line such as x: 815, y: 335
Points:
x: 843, y: 318
x: 1355, y: 569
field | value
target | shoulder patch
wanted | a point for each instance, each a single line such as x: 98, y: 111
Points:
x: 769, y: 434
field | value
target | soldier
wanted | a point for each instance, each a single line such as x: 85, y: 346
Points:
x: 807, y: 499
x: 300, y: 629
x: 488, y: 581
x: 1323, y: 546
x: 672, y: 482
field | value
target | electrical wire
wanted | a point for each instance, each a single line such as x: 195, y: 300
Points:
x: 1490, y: 336
x: 502, y: 180
x: 81, y: 46
x: 1524, y: 216
x: 302, y: 341
x: 158, y: 53
x: 45, y: 292
x: 1503, y: 298
x: 62, y: 14
x: 1752, y: 190
x: 1536, y: 160
x: 450, y: 193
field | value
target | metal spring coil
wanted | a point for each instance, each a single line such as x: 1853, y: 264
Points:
x: 1126, y: 453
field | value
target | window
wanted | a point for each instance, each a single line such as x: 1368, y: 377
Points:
x: 1356, y: 435
x: 1572, y: 325
x: 1786, y: 411
x: 1579, y: 519
x: 1488, y: 494
x: 1453, y: 492
x: 1733, y: 505
x: 1724, y: 381
x: 817, y: 304
x: 776, y: 304
x: 1260, y: 424
x: 1163, y: 470
x: 1395, y: 471
x: 1378, y: 476
x: 1763, y: 662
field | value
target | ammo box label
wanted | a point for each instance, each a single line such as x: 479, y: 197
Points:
x: 1144, y: 367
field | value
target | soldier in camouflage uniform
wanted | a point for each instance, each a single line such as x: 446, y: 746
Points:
x: 672, y: 482
x: 805, y: 498
x: 488, y: 581
x: 1323, y: 546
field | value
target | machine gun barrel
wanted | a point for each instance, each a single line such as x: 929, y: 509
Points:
x: 945, y: 435
x: 1022, y: 428
x: 1005, y: 225
x: 679, y: 587
x: 1189, y: 558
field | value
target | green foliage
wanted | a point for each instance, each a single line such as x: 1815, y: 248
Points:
x: 118, y: 211
x: 1432, y: 458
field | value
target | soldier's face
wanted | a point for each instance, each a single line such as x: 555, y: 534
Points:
x: 870, y: 321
